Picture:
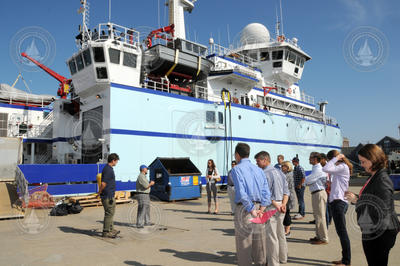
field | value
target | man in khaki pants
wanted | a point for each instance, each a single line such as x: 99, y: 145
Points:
x: 276, y: 241
x: 252, y: 195
x: 317, y: 182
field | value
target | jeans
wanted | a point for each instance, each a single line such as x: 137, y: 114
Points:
x: 377, y: 250
x: 328, y: 213
x: 339, y: 209
x: 109, y: 210
x: 300, y: 199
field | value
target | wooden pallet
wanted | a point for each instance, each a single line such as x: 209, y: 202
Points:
x: 94, y: 201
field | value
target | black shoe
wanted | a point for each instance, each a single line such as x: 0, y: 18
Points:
x: 139, y: 226
x: 312, y: 222
x: 149, y: 224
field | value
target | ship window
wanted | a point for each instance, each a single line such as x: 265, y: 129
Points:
x: 210, y: 116
x: 292, y: 57
x: 203, y: 51
x: 195, y: 49
x: 79, y: 62
x: 114, y: 55
x: 87, y: 57
x: 277, y: 55
x: 302, y: 62
x: 277, y: 64
x: 220, y: 117
x: 260, y: 99
x: 264, y: 56
x: 72, y: 66
x: 98, y: 54
x: 298, y: 61
x: 101, y: 72
x: 130, y: 60
x: 189, y: 46
x: 287, y: 54
x: 253, y: 56
x: 296, y: 70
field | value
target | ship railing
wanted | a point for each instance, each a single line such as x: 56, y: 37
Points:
x: 216, y: 49
x: 38, y: 130
x: 25, y: 99
x: 106, y: 31
x: 163, y: 85
x: 307, y: 98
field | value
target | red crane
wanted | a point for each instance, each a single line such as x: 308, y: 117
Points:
x: 158, y: 34
x: 65, y: 83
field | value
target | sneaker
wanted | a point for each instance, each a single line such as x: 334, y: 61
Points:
x: 139, y: 226
x: 108, y: 235
x: 298, y: 217
x: 314, y: 239
x: 287, y: 234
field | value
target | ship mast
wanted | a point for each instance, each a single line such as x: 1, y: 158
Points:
x: 177, y: 17
x: 84, y: 10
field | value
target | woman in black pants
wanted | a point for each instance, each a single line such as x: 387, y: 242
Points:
x: 339, y: 169
x: 375, y: 207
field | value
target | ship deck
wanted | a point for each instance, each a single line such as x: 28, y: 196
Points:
x: 188, y: 236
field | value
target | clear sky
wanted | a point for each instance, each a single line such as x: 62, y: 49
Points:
x: 366, y: 104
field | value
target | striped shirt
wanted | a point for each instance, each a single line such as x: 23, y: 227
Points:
x: 298, y: 175
x: 277, y: 183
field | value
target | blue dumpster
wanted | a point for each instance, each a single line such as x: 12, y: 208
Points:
x: 396, y: 181
x: 175, y: 179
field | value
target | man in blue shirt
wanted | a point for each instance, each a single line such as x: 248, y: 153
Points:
x: 299, y: 177
x: 276, y: 241
x: 107, y: 194
x: 280, y: 160
x: 252, y: 196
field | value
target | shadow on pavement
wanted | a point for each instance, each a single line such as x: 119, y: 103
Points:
x: 297, y: 240
x: 135, y: 263
x: 209, y: 219
x: 303, y: 261
x: 227, y: 232
x: 223, y: 257
x: 90, y: 232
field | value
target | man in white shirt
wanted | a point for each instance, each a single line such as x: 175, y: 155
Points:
x: 317, y: 182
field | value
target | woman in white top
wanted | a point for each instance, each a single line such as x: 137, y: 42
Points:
x: 212, y: 177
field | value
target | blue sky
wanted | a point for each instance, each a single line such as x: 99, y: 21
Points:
x: 366, y: 104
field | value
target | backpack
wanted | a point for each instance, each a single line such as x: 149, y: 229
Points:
x: 59, y: 210
x: 74, y: 208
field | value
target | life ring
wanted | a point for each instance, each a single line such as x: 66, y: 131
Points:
x: 281, y: 38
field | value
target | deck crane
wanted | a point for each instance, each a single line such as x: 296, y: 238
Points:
x: 65, y: 83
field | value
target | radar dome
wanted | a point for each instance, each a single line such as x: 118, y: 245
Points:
x: 254, y: 33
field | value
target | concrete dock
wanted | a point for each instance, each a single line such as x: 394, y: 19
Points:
x: 184, y: 234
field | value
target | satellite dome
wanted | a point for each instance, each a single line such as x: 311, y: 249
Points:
x: 254, y: 33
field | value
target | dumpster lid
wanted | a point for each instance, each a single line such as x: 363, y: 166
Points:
x: 178, y: 166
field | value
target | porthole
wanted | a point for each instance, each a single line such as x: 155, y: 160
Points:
x: 264, y: 121
x: 240, y: 117
x: 287, y: 125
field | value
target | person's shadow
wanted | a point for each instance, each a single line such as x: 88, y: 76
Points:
x: 224, y: 257
x: 303, y: 261
x: 135, y: 263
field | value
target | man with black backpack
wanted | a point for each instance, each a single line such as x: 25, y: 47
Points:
x: 107, y: 194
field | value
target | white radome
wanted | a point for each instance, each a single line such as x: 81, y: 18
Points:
x: 254, y: 33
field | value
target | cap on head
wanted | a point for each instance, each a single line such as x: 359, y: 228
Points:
x: 295, y: 159
x: 142, y: 167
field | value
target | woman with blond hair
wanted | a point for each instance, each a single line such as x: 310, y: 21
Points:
x: 287, y: 169
x: 375, y: 207
x: 339, y: 169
